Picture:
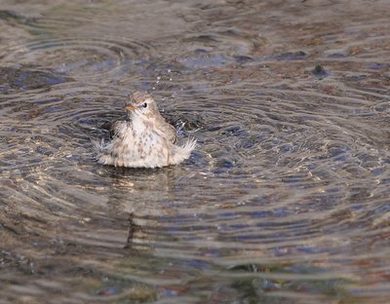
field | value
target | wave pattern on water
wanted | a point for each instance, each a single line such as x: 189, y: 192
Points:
x: 286, y: 198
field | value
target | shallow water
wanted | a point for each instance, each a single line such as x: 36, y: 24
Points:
x: 286, y: 199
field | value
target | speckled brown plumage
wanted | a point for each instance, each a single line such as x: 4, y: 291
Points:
x: 145, y: 140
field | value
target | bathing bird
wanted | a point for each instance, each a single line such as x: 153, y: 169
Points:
x: 144, y: 140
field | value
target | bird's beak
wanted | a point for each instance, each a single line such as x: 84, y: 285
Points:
x: 130, y: 107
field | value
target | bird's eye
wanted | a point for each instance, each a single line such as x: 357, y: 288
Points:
x: 144, y: 105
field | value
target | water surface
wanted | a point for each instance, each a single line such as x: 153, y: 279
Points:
x: 286, y: 199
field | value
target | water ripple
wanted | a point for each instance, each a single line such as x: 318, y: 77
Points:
x: 285, y: 199
x: 93, y: 59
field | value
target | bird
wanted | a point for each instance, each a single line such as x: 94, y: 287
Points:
x: 144, y: 140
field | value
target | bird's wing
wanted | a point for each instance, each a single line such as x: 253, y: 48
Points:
x: 116, y: 127
x: 167, y: 129
x: 171, y: 133
x: 112, y: 126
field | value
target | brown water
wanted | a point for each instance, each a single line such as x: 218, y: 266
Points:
x: 286, y: 199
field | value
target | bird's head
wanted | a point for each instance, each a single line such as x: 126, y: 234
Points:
x: 141, y: 104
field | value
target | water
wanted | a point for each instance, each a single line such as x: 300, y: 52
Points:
x: 286, y: 199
